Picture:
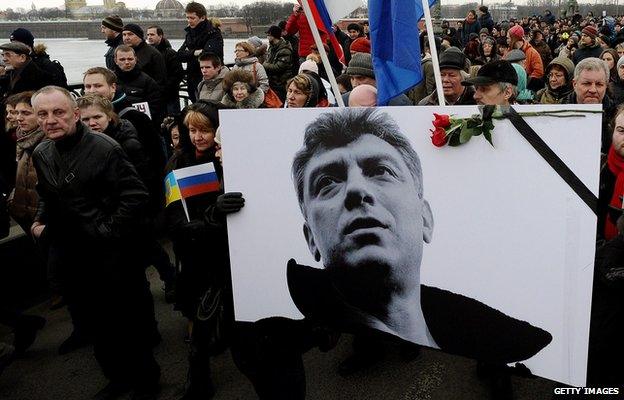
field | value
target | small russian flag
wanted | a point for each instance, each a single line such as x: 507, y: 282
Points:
x: 197, y: 179
x: 190, y: 181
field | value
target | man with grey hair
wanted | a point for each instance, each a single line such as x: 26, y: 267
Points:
x: 91, y: 207
x: 495, y: 83
x: 590, y: 83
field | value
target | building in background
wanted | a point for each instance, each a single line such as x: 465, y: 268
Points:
x: 169, y: 9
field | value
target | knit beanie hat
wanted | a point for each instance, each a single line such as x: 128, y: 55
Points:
x: 274, y: 31
x: 23, y: 35
x: 113, y: 22
x: 361, y: 64
x: 516, y: 31
x: 361, y: 45
x: 134, y: 28
x: 255, y: 41
x: 590, y: 31
x: 308, y: 65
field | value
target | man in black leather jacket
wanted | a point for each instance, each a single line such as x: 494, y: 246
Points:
x: 91, y: 203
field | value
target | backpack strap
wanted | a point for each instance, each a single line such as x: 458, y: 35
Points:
x: 125, y: 110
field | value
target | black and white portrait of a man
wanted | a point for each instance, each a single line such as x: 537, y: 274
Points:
x: 360, y: 190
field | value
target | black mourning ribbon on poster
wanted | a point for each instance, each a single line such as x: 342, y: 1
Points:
x: 551, y: 158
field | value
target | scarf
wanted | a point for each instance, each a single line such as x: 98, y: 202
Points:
x: 615, y: 163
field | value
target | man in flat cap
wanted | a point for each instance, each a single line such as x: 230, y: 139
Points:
x: 495, y: 84
x: 22, y: 73
x: 452, y: 69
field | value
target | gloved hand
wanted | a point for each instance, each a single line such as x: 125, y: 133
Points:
x: 229, y: 202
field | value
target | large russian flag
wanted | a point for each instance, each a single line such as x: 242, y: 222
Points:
x: 197, y: 179
x: 326, y: 12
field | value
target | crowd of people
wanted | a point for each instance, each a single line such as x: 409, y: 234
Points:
x: 84, y: 176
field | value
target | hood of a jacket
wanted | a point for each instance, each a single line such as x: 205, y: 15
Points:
x: 254, y: 100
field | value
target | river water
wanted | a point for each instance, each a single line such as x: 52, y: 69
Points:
x: 78, y: 55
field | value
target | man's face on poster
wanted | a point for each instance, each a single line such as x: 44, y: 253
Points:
x: 363, y: 212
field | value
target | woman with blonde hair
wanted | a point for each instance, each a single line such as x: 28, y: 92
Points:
x: 199, y: 236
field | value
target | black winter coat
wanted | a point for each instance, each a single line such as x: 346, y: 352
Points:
x: 54, y: 68
x: 109, y: 57
x: 5, y: 223
x: 175, y: 72
x: 585, y: 52
x: 486, y: 21
x: 204, y: 37
x: 140, y: 87
x: 151, y: 62
x: 127, y: 137
x: 201, y: 247
x: 95, y: 197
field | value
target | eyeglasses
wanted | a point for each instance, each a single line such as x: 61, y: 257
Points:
x: 556, y: 76
x: 239, y: 50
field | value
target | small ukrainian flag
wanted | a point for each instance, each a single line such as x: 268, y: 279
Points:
x: 172, y: 190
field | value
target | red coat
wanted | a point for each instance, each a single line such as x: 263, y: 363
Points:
x: 533, y: 64
x: 299, y: 23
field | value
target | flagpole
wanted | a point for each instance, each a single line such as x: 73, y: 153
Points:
x: 185, y: 209
x: 434, y: 52
x: 321, y: 49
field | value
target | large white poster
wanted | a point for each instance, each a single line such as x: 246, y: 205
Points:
x: 479, y: 250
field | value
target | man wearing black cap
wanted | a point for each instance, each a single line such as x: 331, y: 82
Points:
x: 111, y: 28
x: 149, y: 59
x: 495, y: 84
x: 452, y: 64
x: 278, y: 64
x: 22, y: 73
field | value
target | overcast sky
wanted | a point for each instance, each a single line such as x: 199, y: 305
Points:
x: 151, y: 3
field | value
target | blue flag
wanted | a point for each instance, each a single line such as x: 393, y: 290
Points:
x: 395, y: 45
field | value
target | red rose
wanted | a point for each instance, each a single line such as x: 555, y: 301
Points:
x: 441, y: 121
x: 438, y: 137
